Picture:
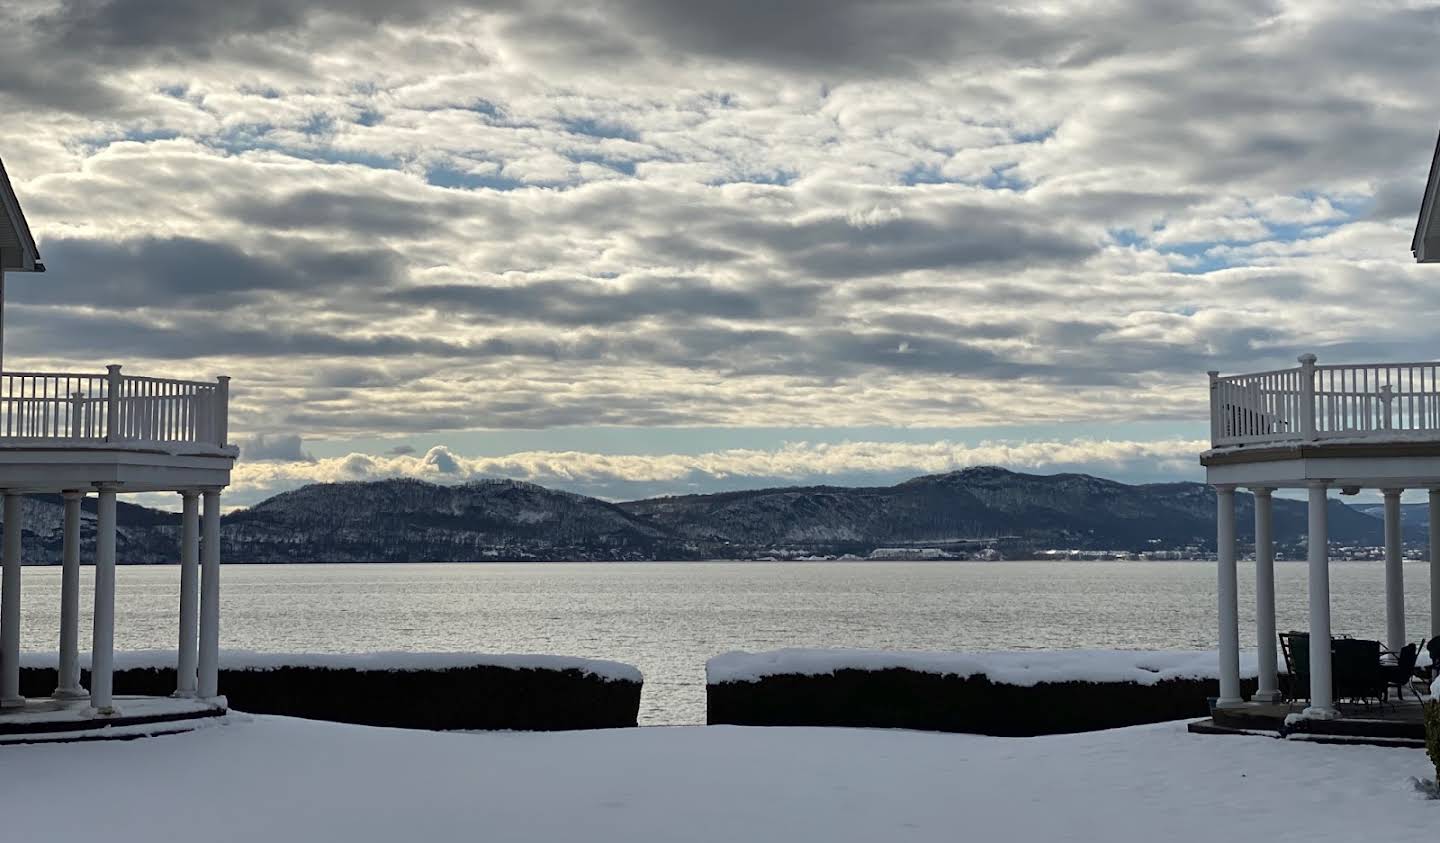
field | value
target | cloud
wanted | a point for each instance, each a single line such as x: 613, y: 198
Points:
x: 407, y: 219
x: 274, y: 448
x: 188, y: 272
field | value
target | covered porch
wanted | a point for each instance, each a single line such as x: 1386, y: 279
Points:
x: 74, y: 434
x: 1316, y: 428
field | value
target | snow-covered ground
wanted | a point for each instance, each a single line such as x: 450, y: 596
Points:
x: 266, y: 778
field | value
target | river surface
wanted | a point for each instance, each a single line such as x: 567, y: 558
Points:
x: 668, y: 618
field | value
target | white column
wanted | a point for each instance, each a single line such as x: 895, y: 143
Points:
x: 102, y: 657
x: 1434, y: 562
x: 68, y: 686
x: 189, y: 593
x: 1322, y: 692
x: 1268, y: 690
x: 10, y: 604
x: 1394, y: 573
x: 1229, y: 598
x: 209, y: 670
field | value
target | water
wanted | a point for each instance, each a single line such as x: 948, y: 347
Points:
x: 668, y: 618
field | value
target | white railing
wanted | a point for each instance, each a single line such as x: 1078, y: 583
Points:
x: 1312, y: 402
x: 113, y: 408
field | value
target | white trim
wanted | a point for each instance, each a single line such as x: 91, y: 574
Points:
x: 1420, y: 244
x: 29, y: 252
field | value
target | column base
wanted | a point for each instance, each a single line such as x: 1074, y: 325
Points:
x: 1318, y: 713
x: 1229, y: 702
x: 218, y: 701
x: 76, y: 693
x: 181, y: 694
x: 104, y: 711
x: 12, y: 702
x: 1265, y: 697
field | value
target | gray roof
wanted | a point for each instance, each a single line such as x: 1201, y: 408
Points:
x: 1426, y: 244
x: 18, y: 252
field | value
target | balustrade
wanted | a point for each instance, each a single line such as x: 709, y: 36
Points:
x: 112, y: 408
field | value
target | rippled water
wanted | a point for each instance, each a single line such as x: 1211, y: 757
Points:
x: 668, y: 618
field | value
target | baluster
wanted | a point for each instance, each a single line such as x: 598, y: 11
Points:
x: 1410, y: 398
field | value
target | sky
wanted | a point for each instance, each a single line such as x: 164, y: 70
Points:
x: 641, y: 247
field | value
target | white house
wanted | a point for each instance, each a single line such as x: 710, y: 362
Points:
x: 1320, y: 427
x: 106, y: 433
x: 1426, y: 244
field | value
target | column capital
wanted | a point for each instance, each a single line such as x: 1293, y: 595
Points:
x: 74, y: 494
x: 107, y: 486
x: 1262, y: 491
x: 1391, y: 493
x: 1319, y: 484
x: 211, y: 490
x: 1224, y: 488
x: 189, y: 494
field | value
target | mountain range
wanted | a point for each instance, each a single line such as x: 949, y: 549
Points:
x: 414, y: 521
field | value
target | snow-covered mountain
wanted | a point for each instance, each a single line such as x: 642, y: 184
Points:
x: 1060, y: 510
x: 413, y: 521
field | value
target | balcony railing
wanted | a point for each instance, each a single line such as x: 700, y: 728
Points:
x: 1313, y: 402
x: 84, y: 408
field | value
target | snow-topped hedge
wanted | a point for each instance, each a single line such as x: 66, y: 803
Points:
x: 1024, y: 668
x: 416, y: 690
x: 1002, y: 693
x: 610, y: 671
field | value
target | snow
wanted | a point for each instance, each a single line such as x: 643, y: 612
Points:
x: 266, y: 778
x: 140, y: 447
x: 1022, y: 667
x: 73, y: 711
x: 1295, y: 443
x: 400, y: 661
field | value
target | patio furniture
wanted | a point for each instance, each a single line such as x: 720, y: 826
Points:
x: 1399, y: 674
x: 1296, y: 648
x: 1358, y: 674
x: 1428, y: 674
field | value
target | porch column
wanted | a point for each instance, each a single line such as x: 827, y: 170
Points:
x: 1229, y: 599
x: 10, y: 604
x: 1322, y: 699
x: 1434, y: 563
x: 189, y: 592
x: 1394, y: 573
x: 209, y: 670
x: 68, y: 686
x: 1269, y: 687
x: 102, y: 649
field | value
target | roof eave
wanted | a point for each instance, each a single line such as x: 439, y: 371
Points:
x: 30, y: 257
x: 1427, y: 249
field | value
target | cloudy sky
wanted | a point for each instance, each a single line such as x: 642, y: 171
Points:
x: 631, y: 247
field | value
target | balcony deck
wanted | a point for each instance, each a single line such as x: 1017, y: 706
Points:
x: 1370, y: 424
x: 73, y: 431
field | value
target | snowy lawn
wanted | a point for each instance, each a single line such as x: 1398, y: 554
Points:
x: 277, y: 779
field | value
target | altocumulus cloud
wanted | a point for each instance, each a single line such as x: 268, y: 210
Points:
x: 410, y: 219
